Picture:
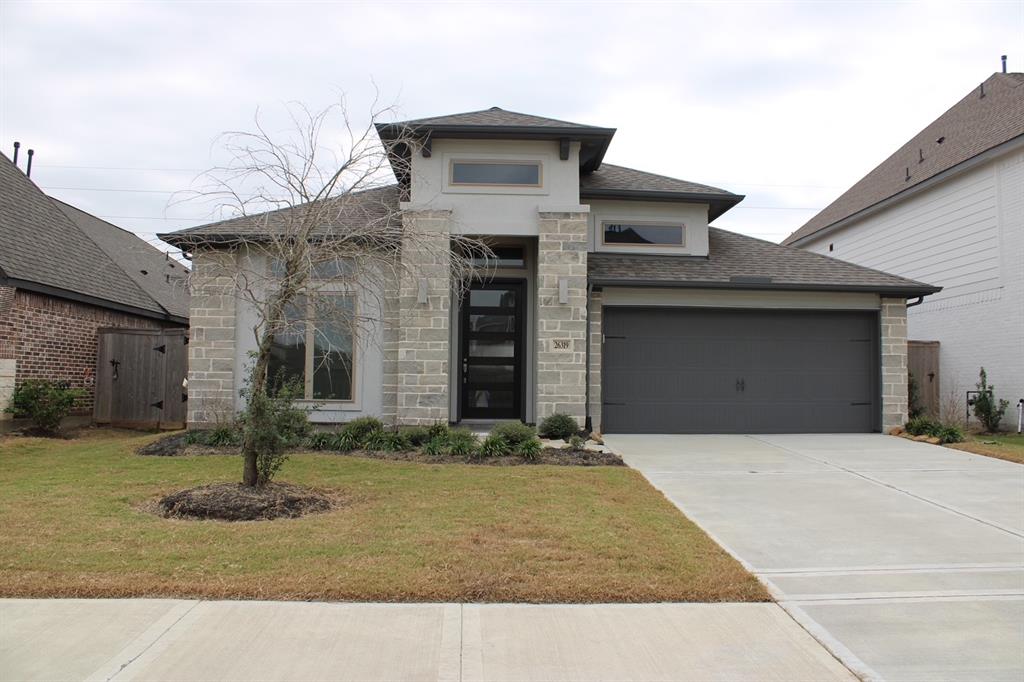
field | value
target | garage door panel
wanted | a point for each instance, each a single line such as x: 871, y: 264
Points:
x: 677, y: 371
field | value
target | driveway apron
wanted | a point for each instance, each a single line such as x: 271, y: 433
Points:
x: 905, y: 559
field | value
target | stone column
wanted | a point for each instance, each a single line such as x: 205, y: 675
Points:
x: 211, y: 347
x: 422, y: 373
x: 894, y: 362
x: 561, y: 326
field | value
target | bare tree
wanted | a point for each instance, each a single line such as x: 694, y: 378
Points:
x: 314, y: 212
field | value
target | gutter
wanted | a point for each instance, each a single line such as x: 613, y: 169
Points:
x: 906, y: 292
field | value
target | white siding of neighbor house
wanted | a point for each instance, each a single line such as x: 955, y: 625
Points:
x: 966, y: 235
x: 693, y: 216
x: 504, y: 211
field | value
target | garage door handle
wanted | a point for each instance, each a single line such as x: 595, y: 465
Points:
x: 609, y: 403
x: 859, y: 404
x: 741, y: 385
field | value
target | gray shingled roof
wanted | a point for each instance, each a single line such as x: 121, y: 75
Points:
x: 610, y: 181
x: 738, y: 261
x: 496, y: 117
x: 352, y: 211
x: 41, y: 247
x: 972, y: 126
x: 163, y: 278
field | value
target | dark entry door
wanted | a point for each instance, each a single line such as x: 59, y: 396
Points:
x: 492, y: 350
x: 740, y: 371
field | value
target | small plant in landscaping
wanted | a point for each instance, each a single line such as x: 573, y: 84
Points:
x: 494, y: 445
x: 529, y: 449
x: 417, y: 435
x: 514, y: 433
x: 361, y: 428
x: 271, y: 423
x: 576, y: 442
x: 987, y: 409
x: 435, y: 447
x: 951, y: 434
x: 946, y: 433
x: 558, y: 425
x: 387, y: 441
x: 45, y: 403
x: 913, y: 397
x: 225, y: 435
x: 438, y: 430
x: 462, y: 443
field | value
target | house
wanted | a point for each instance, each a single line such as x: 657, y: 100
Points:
x: 612, y: 300
x: 64, y: 274
x: 948, y: 207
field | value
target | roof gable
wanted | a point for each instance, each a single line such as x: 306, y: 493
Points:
x: 495, y: 116
x: 970, y: 127
x: 619, y: 182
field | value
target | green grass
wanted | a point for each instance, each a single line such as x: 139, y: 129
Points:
x: 74, y: 522
x: 1008, y: 446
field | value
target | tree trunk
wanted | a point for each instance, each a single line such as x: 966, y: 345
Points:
x: 257, y: 383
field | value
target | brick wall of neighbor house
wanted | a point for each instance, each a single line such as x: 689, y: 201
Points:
x: 43, y: 337
x: 211, y: 348
x: 596, y: 300
x: 561, y: 327
x: 420, y: 379
x: 894, y: 362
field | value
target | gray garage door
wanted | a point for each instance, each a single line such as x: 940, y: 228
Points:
x: 671, y: 370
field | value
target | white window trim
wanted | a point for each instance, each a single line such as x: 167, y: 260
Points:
x: 654, y: 223
x: 496, y: 162
x: 451, y: 158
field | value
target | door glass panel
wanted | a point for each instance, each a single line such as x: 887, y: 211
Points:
x: 489, y: 399
x: 490, y: 348
x: 492, y: 298
x: 490, y: 374
x: 492, y: 323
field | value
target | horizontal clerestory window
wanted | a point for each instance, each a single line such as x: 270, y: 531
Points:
x: 644, y: 234
x: 315, y: 347
x: 496, y: 173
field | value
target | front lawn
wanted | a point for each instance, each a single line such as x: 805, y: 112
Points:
x: 75, y: 521
x: 1008, y: 446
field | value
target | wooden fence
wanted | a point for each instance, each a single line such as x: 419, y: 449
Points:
x: 923, y: 365
x: 140, y: 377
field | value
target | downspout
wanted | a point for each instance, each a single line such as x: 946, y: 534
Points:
x: 588, y: 423
x: 919, y: 301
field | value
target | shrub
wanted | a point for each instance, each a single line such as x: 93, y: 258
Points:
x: 45, y: 403
x: 321, y: 440
x: 576, y: 441
x: 271, y: 423
x: 438, y: 430
x: 514, y: 433
x: 225, y: 435
x: 529, y: 449
x: 387, y: 441
x: 988, y: 411
x: 913, y: 397
x: 923, y: 426
x: 494, y: 446
x: 417, y: 435
x: 361, y: 428
x: 436, y: 447
x: 951, y: 434
x: 558, y: 425
x: 462, y: 443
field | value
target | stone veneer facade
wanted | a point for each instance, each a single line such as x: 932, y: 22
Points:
x: 419, y: 382
x: 211, y: 348
x: 561, y: 327
x: 894, y: 362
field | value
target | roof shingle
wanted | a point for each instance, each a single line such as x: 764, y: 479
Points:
x: 495, y: 117
x: 970, y: 127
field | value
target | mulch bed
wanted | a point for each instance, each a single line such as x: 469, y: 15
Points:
x: 175, y: 445
x: 236, y: 502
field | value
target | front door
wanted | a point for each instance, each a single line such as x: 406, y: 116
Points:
x: 492, y: 350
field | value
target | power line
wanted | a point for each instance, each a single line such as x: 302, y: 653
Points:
x: 124, y: 168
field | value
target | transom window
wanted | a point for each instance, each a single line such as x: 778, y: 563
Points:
x: 504, y: 257
x: 317, y: 347
x: 643, y: 234
x: 497, y: 173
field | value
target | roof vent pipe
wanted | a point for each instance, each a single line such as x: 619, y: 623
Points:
x: 982, y: 91
x: 1003, y: 58
x: 28, y: 167
x: 17, y: 146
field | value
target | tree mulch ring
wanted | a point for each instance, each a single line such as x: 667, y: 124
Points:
x: 237, y: 502
x: 168, y: 446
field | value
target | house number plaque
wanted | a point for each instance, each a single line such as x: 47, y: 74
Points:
x: 561, y: 344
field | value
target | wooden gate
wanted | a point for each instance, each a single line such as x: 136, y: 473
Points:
x: 140, y: 377
x: 923, y: 365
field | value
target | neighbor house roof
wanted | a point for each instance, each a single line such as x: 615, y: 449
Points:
x: 43, y: 249
x: 353, y: 211
x: 499, y: 124
x: 619, y: 182
x: 740, y: 262
x: 973, y: 126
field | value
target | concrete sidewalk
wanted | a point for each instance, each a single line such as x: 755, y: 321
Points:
x: 154, y: 639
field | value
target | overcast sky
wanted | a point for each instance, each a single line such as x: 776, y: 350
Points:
x: 787, y: 103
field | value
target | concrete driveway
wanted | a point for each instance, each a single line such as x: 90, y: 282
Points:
x: 905, y: 559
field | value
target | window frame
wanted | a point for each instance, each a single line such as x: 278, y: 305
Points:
x: 309, y: 353
x: 495, y: 162
x: 652, y: 223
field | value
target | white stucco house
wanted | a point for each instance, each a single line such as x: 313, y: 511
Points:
x: 613, y: 299
x: 948, y: 208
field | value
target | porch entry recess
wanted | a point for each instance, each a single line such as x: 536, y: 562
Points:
x: 492, y: 350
